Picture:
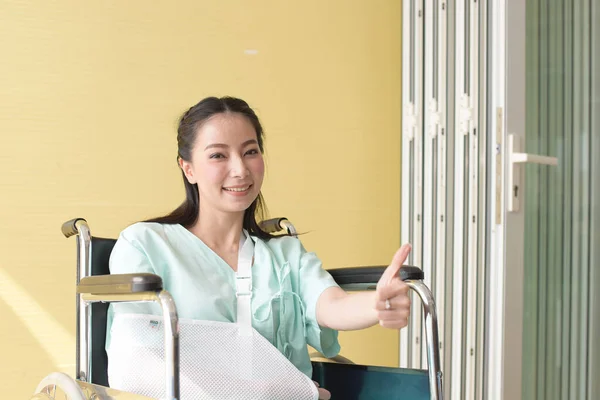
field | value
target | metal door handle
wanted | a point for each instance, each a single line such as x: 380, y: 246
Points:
x: 533, y: 159
x: 516, y: 159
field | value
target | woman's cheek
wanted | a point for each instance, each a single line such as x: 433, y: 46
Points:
x: 260, y: 166
x: 214, y: 173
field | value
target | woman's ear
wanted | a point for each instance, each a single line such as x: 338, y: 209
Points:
x: 187, y: 169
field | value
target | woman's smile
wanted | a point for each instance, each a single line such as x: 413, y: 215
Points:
x: 237, y: 190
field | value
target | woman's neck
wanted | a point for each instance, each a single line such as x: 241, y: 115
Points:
x: 218, y: 230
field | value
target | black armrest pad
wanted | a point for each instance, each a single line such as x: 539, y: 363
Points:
x: 371, y: 275
x: 357, y: 275
x: 120, y: 284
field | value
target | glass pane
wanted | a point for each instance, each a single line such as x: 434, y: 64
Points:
x: 558, y: 200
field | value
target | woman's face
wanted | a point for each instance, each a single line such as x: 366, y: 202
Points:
x: 226, y: 163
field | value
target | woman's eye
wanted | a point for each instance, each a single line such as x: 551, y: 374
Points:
x: 252, y: 152
x: 217, y: 155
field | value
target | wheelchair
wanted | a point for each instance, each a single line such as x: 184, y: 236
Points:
x: 96, y: 288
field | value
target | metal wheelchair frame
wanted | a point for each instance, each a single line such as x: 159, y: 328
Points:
x: 149, y: 288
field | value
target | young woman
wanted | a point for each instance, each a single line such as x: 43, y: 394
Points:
x: 197, y: 248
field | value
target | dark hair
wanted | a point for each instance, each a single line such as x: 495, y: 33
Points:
x: 187, y: 213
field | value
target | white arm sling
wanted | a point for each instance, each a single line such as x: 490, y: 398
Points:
x: 219, y: 360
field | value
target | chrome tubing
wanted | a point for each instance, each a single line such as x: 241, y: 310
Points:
x: 171, y: 326
x: 431, y: 333
x: 288, y: 226
x: 79, y: 227
x: 171, y: 330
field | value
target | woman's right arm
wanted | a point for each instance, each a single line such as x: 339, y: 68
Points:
x: 128, y: 257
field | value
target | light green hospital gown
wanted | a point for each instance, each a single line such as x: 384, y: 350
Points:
x: 287, y: 282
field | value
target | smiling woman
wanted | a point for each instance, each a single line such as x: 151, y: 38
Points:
x: 220, y: 266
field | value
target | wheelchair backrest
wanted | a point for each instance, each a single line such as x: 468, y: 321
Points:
x: 100, y: 255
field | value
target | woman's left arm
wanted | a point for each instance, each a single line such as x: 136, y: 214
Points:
x: 389, y: 304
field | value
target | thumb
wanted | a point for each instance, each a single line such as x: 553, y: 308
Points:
x: 392, y: 270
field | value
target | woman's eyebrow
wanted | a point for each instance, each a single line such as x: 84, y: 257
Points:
x: 248, y: 142
x: 223, y: 145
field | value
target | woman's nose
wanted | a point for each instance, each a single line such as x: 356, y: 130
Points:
x: 239, y: 168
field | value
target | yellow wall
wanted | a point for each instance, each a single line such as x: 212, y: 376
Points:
x: 90, y: 95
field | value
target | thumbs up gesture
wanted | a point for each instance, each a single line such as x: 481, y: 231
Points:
x: 392, y: 301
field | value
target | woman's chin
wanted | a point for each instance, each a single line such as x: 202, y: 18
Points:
x: 237, y: 205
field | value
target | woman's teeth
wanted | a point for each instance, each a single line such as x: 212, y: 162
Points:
x: 237, y: 189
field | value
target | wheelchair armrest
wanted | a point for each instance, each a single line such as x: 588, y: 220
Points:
x: 366, y: 278
x: 120, y: 284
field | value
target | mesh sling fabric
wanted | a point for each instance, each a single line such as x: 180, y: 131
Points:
x: 218, y: 360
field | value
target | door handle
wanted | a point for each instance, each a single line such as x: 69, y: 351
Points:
x: 533, y: 159
x: 516, y: 158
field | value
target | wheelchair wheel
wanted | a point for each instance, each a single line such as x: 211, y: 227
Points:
x: 58, y: 386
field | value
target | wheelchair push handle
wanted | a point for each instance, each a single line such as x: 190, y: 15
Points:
x: 275, y: 225
x: 71, y: 227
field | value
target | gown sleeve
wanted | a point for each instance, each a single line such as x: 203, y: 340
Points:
x: 313, y: 280
x: 128, y: 257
